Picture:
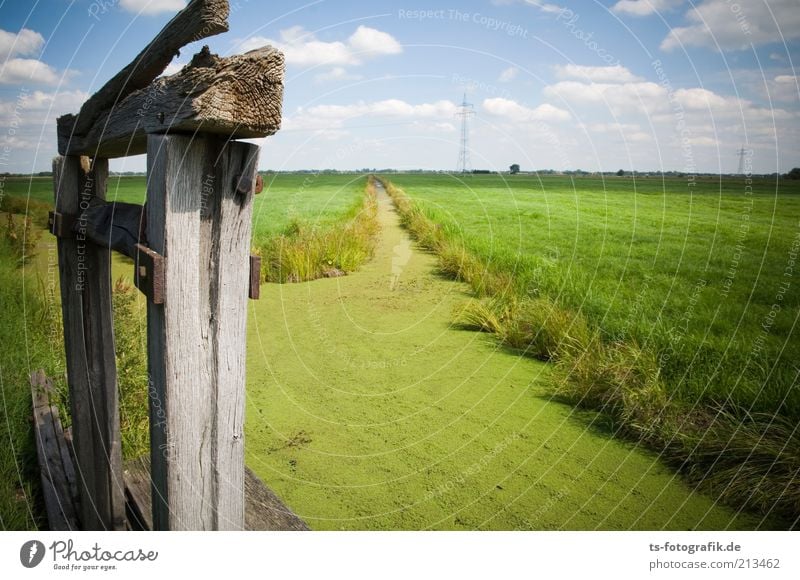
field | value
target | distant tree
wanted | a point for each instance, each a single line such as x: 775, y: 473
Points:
x: 514, y: 168
x: 620, y: 173
x: 794, y: 173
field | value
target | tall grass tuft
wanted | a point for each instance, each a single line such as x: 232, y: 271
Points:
x: 22, y: 237
x: 130, y: 336
x: 747, y: 460
x: 306, y: 252
x: 25, y: 348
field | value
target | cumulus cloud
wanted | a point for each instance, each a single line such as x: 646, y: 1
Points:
x: 619, y: 98
x: 517, y: 113
x: 17, y: 71
x: 724, y: 25
x: 600, y: 74
x: 152, y: 6
x: 26, y: 42
x: 14, y: 69
x: 508, y: 74
x: 302, y: 48
x: 644, y: 7
x: 335, y: 116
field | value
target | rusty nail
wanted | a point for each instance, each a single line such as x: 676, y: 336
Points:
x: 259, y: 183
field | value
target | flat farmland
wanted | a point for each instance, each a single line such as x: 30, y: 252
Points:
x: 702, y: 272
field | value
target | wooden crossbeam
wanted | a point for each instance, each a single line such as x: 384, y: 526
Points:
x: 200, y: 19
x: 234, y: 97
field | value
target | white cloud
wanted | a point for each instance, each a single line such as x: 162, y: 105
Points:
x: 302, y: 48
x: 620, y: 99
x: 366, y: 41
x: 508, y: 74
x: 644, y: 7
x: 515, y: 112
x: 337, y: 73
x: 152, y: 6
x: 736, y: 25
x: 26, y: 42
x: 33, y: 115
x: 599, y: 74
x: 334, y: 116
x: 17, y: 71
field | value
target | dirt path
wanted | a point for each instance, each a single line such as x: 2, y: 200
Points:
x: 368, y: 410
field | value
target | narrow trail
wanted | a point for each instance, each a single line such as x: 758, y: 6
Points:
x: 367, y: 409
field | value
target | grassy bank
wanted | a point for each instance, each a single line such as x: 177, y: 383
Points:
x: 322, y: 241
x: 558, y: 293
x: 27, y: 335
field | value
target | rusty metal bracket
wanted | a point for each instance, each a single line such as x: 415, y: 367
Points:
x: 149, y: 273
x: 254, y: 291
x: 61, y: 224
x: 244, y: 184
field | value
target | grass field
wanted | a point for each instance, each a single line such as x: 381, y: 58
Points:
x: 427, y: 427
x: 672, y: 313
x: 703, y: 276
x: 316, y: 198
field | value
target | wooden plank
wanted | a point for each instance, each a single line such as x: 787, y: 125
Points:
x: 57, y: 471
x: 235, y: 97
x: 85, y: 277
x: 264, y: 511
x: 201, y: 225
x: 200, y: 19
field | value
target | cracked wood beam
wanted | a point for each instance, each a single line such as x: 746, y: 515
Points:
x: 200, y: 19
x: 235, y: 97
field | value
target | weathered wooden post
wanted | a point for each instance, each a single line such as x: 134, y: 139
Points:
x: 192, y: 263
x: 199, y: 211
x: 85, y: 274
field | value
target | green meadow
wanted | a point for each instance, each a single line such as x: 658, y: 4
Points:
x: 370, y: 407
x: 701, y: 272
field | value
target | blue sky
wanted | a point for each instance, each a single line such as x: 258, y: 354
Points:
x: 595, y: 85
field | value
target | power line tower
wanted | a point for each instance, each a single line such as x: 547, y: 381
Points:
x: 465, y: 111
x: 741, y: 153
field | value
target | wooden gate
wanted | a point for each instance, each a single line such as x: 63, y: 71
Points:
x: 190, y: 244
